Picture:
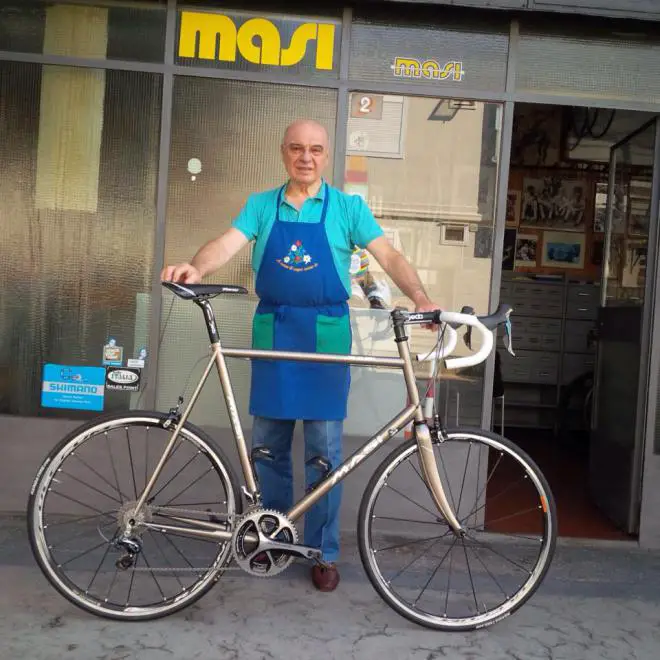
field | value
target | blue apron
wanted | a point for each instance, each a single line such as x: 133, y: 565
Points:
x: 302, y: 307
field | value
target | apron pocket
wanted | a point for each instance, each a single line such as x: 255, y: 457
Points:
x: 263, y: 331
x: 333, y: 334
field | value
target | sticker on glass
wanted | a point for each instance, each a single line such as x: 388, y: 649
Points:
x: 73, y: 387
x: 112, y: 354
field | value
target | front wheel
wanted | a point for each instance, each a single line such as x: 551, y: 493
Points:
x: 441, y: 580
x: 86, y: 491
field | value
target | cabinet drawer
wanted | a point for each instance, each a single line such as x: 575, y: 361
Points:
x: 582, y: 302
x: 576, y: 364
x: 575, y: 337
x: 533, y: 333
x: 537, y: 307
x: 530, y: 367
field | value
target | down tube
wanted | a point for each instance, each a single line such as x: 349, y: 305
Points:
x: 388, y: 431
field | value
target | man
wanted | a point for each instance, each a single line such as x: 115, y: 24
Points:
x: 304, y: 232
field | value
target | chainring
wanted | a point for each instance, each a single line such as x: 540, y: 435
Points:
x: 258, y: 523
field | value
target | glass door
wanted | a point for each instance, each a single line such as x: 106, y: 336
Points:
x: 427, y: 167
x: 623, y: 330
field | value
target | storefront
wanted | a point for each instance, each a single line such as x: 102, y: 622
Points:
x: 132, y: 132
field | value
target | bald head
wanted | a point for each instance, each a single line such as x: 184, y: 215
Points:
x: 305, y: 151
x: 307, y: 127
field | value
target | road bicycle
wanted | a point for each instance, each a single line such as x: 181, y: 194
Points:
x: 456, y: 527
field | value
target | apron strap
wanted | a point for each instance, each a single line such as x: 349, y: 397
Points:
x: 324, y: 212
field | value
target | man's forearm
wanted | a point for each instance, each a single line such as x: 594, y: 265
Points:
x: 216, y: 253
x: 407, y: 279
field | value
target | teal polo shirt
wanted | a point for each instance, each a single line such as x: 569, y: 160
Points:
x: 349, y: 223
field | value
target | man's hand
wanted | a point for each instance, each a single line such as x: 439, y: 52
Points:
x: 182, y: 273
x: 427, y: 306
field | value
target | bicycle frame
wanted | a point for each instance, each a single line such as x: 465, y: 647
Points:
x: 412, y: 412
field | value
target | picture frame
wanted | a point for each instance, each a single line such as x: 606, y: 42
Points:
x: 553, y: 202
x: 563, y: 250
x: 513, y: 199
x: 509, y: 249
x: 526, y: 250
x: 633, y: 273
x: 640, y: 207
x: 619, y: 212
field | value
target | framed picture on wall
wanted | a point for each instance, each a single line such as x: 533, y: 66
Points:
x: 513, y: 208
x: 633, y: 274
x: 563, y: 250
x: 553, y: 203
x: 526, y: 250
x: 619, y: 210
x: 509, y: 249
x: 640, y: 207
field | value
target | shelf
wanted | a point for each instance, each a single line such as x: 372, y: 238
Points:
x: 525, y: 404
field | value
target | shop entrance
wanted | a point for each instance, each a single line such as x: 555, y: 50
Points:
x: 577, y: 247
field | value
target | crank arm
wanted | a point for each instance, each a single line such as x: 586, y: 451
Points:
x: 303, y: 551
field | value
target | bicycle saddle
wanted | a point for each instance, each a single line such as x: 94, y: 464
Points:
x: 195, y: 291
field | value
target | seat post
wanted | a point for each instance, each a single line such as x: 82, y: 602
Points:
x: 209, y: 318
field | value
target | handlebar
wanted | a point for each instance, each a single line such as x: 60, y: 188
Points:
x: 484, y: 324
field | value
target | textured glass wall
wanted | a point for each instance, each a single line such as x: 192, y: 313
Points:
x: 589, y: 62
x: 234, y: 131
x: 78, y: 149
x: 436, y: 48
x: 124, y: 32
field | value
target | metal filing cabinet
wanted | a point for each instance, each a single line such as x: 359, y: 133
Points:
x: 551, y: 323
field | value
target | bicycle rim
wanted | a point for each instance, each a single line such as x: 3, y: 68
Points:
x: 85, y: 489
x: 427, y: 573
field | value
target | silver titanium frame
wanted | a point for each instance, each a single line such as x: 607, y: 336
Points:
x: 412, y: 412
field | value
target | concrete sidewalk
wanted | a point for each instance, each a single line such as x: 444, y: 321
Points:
x: 597, y: 603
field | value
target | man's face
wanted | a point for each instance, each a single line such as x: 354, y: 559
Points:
x: 305, y: 153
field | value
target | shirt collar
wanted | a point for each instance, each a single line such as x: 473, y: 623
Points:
x: 320, y: 195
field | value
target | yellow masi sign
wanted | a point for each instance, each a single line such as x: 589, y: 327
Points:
x: 267, y: 50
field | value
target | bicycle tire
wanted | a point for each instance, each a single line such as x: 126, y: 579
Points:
x: 51, y: 466
x: 368, y: 553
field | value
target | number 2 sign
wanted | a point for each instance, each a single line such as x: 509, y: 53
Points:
x: 366, y: 106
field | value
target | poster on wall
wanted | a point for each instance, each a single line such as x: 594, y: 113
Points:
x: 72, y: 387
x: 509, y: 249
x: 619, y: 209
x: 513, y: 208
x: 633, y: 274
x: 526, y: 245
x: 563, y: 250
x: 553, y: 203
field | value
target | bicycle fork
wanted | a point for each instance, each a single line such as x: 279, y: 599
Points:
x: 423, y: 439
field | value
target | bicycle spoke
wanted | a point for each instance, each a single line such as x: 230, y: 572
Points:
x: 153, y: 536
x: 176, y: 474
x: 437, y: 568
x: 493, y: 498
x: 114, y: 468
x: 415, y: 503
x: 130, y: 458
x: 513, y: 515
x: 467, y: 462
x: 189, y: 486
x: 495, y: 580
x: 98, y: 568
x: 82, y: 554
x: 78, y: 519
x: 467, y: 563
x: 166, y: 536
x: 447, y: 482
x: 73, y: 499
x: 122, y: 497
x: 414, y: 560
x: 151, y: 572
x: 499, y: 554
x: 84, y: 483
x: 408, y: 520
x: 146, y: 458
x: 403, y: 545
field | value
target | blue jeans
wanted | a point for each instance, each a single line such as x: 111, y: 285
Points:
x: 322, y: 438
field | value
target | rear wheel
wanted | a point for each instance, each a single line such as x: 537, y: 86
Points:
x: 436, y: 578
x: 87, y: 489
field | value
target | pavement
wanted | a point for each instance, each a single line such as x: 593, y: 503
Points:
x: 600, y: 601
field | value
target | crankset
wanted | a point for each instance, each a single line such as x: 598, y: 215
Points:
x: 265, y: 543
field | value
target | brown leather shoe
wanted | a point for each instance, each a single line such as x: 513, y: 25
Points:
x: 325, y: 577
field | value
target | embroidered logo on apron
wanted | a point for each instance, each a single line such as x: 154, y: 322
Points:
x: 297, y: 259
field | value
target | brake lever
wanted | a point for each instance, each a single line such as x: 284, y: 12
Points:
x: 508, y: 343
x: 467, y: 337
